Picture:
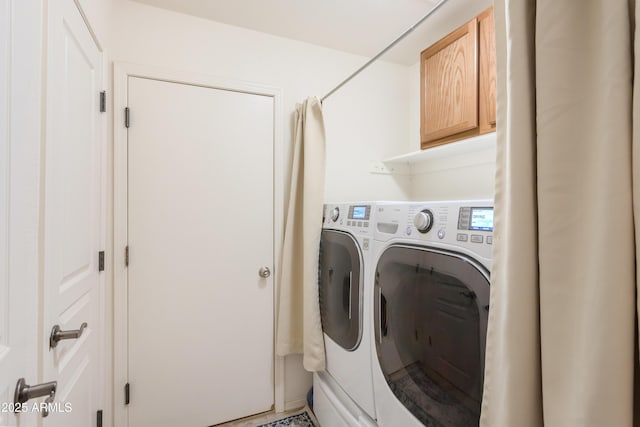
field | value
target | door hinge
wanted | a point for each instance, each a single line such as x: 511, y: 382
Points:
x: 103, y: 101
x: 101, y: 261
x: 127, y: 396
x: 126, y: 256
x: 99, y: 418
x: 126, y: 117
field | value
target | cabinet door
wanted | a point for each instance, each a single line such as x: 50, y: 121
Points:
x: 487, y: 46
x: 449, y: 85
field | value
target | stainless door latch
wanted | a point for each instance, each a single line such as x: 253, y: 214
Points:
x: 264, y: 272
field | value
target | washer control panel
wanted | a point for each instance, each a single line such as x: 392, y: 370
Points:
x: 360, y: 212
x: 355, y: 217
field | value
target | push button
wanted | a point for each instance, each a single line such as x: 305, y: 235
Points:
x: 476, y: 238
x: 462, y: 237
x: 489, y: 240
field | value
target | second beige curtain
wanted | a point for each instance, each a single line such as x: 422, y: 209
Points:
x: 298, y: 325
x: 560, y: 344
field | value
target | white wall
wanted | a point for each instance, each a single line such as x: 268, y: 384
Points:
x: 414, y: 108
x: 457, y: 174
x: 366, y: 121
x: 97, y: 13
x: 297, y: 382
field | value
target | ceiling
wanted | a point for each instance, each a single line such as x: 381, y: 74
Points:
x: 362, y: 27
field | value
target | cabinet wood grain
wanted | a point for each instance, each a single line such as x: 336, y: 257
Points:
x: 458, y: 84
x: 449, y: 85
x: 487, y: 55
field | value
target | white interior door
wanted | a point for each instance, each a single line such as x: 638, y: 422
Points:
x: 200, y: 226
x: 19, y: 194
x: 72, y: 197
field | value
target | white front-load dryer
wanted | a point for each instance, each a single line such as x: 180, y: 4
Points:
x: 345, y: 286
x: 430, y: 309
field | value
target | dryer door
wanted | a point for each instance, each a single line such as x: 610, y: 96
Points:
x: 431, y: 310
x: 340, y: 282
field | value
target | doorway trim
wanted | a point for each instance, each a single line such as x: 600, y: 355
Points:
x: 5, y: 167
x: 121, y: 73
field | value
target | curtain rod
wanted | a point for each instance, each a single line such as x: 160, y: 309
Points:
x: 383, y: 51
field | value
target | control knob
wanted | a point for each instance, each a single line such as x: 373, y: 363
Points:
x: 423, y: 220
x: 335, y: 214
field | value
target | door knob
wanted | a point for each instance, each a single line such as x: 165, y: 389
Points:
x: 26, y: 392
x: 58, y: 335
x: 264, y: 272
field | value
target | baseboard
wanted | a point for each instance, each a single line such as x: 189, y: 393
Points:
x: 294, y: 404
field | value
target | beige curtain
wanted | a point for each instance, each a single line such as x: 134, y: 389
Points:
x: 298, y: 327
x: 560, y: 343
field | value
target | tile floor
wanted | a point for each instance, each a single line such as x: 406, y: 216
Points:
x: 266, y: 417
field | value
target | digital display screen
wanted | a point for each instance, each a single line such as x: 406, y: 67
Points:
x: 481, y: 219
x: 359, y: 212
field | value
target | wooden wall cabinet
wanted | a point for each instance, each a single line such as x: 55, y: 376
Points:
x: 458, y: 84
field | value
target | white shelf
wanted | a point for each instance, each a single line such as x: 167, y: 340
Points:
x: 403, y: 162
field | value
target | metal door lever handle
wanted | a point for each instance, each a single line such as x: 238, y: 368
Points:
x: 26, y: 392
x: 58, y: 335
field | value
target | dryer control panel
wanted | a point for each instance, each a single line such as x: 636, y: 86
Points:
x: 466, y: 225
x: 471, y: 221
x: 476, y: 218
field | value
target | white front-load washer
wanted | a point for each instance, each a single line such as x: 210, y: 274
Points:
x: 344, y: 392
x: 431, y: 304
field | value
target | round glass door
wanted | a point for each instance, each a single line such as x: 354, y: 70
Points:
x: 431, y: 310
x: 340, y: 281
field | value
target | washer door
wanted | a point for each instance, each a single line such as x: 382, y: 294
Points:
x: 431, y: 310
x: 340, y: 281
